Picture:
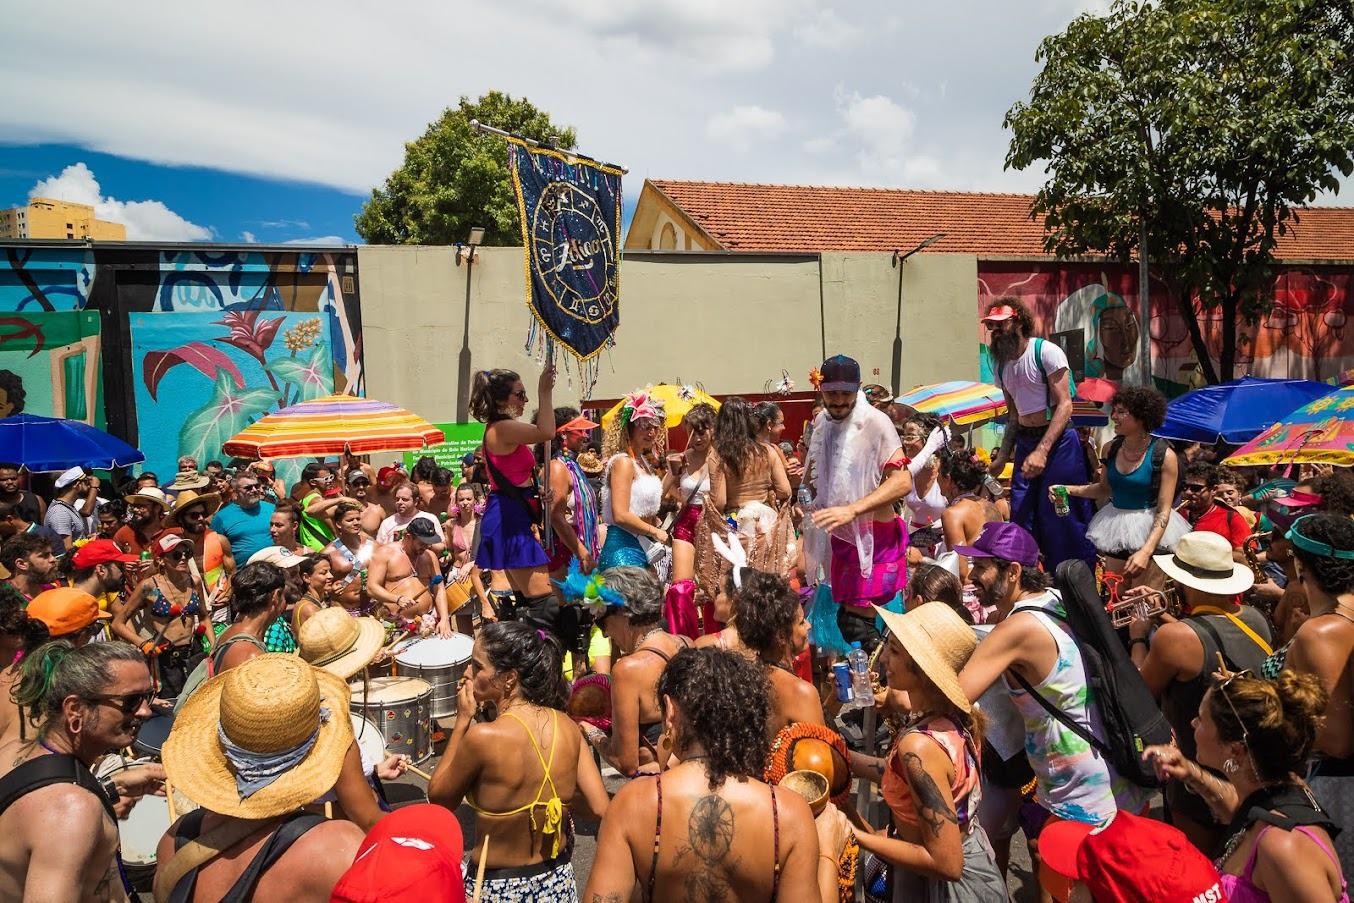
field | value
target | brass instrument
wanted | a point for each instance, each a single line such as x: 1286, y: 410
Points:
x: 1252, y: 548
x: 1122, y: 610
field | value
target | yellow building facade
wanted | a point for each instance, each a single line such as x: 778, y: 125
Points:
x: 49, y: 218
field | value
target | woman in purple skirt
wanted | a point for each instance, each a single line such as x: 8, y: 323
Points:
x: 507, y: 542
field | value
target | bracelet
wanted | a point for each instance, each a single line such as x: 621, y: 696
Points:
x: 1136, y: 640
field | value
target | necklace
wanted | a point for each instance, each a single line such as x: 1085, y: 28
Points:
x: 644, y: 639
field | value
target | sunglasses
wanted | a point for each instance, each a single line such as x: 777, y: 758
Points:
x: 128, y: 704
x: 251, y: 487
x: 522, y: 394
x: 359, y: 482
x: 179, y: 556
x: 1195, y: 487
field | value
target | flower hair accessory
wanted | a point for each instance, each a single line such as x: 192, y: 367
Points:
x: 639, y: 406
x: 732, y: 552
x: 589, y: 590
x: 816, y: 377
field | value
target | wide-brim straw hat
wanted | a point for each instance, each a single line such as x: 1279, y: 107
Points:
x: 939, y: 642
x: 1203, y: 560
x: 269, y: 704
x: 187, y: 499
x: 148, y: 494
x: 188, y: 479
x: 334, y: 640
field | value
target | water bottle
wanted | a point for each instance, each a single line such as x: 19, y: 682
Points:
x: 805, y: 497
x: 862, y: 688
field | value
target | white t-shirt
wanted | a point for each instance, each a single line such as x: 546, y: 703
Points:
x: 1023, y: 379
x: 392, y: 525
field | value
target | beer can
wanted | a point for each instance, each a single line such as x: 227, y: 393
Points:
x: 1061, y: 506
x: 841, y: 678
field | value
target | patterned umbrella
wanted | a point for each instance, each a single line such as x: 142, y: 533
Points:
x: 331, y: 425
x: 1319, y: 432
x: 677, y: 401
x: 967, y: 402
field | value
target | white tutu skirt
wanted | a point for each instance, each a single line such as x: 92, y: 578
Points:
x: 1119, y: 533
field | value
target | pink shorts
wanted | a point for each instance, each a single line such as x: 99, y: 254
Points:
x: 685, y: 526
x: 886, y: 579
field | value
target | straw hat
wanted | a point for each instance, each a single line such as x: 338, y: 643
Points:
x: 939, y: 642
x: 188, y: 479
x: 148, y: 494
x: 339, y: 643
x: 1203, y: 560
x: 270, y: 704
x: 187, y: 499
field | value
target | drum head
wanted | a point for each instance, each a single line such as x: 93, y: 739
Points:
x: 435, y: 652
x: 369, y: 738
x: 389, y: 690
x: 153, y: 733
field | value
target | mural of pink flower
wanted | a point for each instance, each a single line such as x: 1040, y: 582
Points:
x: 210, y: 362
x: 248, y: 334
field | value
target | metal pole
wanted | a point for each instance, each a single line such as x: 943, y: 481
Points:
x: 897, y: 369
x: 1144, y: 307
x: 532, y: 142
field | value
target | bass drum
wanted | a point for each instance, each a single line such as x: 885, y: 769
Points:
x: 402, y: 708
x: 140, y: 832
x: 440, y: 661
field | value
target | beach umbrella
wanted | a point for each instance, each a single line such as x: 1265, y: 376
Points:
x: 968, y: 403
x: 1096, y: 389
x: 1088, y: 413
x: 1237, y: 411
x: 1319, y: 432
x: 330, y: 426
x: 54, y: 444
x: 676, y: 401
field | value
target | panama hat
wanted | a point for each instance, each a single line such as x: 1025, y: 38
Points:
x: 1204, y: 561
x: 268, y: 705
x: 188, y: 479
x: 187, y: 499
x: 939, y: 642
x: 148, y: 494
x: 339, y: 643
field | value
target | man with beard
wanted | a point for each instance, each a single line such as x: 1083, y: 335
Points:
x: 1033, y: 375
x: 28, y: 558
x: 359, y: 490
x: 859, y: 472
x: 59, y: 832
x: 401, y: 575
x: 97, y: 568
x: 34, y: 509
x: 71, y: 513
x: 243, y: 521
x: 145, y: 513
x: 211, y: 551
x: 14, y: 523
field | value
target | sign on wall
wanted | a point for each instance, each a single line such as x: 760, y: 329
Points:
x: 461, y: 440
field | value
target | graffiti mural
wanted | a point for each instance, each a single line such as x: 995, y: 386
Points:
x: 168, y: 348
x: 1093, y: 311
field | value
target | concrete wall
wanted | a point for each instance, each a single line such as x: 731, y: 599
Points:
x: 729, y: 321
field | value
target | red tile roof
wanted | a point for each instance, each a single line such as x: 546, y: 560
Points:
x: 753, y: 217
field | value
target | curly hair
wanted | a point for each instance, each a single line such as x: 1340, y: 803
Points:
x: 21, y: 546
x: 766, y: 611
x: 14, y: 621
x: 1333, y: 575
x: 962, y: 468
x: 1337, y: 492
x: 1023, y: 316
x: 736, y: 435
x: 534, y: 655
x: 563, y: 415
x: 1276, y: 719
x: 13, y: 387
x: 489, y: 391
x: 724, y: 700
x: 343, y: 509
x: 1145, y: 404
x: 925, y: 422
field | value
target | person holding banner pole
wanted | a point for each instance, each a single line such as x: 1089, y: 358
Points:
x: 507, y: 543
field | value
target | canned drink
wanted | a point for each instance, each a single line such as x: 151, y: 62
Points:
x: 841, y: 679
x: 1061, y: 506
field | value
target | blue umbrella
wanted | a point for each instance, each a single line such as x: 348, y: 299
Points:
x: 1238, y: 411
x: 52, y: 444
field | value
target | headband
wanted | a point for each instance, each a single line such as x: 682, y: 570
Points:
x: 733, y: 553
x: 1315, y: 546
x: 590, y: 590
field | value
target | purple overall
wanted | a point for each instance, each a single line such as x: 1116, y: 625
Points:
x: 1059, y: 538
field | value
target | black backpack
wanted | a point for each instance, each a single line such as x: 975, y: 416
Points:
x: 1133, y: 721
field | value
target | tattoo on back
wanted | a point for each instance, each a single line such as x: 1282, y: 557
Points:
x: 709, y: 832
x: 932, y: 809
x: 606, y: 898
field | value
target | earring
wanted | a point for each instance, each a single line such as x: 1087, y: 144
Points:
x: 1230, y: 766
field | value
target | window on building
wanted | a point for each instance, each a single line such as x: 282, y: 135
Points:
x: 667, y: 239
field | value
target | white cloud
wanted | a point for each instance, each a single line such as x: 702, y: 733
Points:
x: 145, y: 220
x: 823, y: 144
x: 284, y: 224
x: 743, y: 127
x: 320, y: 240
x: 828, y: 31
x: 248, y: 237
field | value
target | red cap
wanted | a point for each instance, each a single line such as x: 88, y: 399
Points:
x: 999, y: 313
x: 1131, y: 859
x: 385, y: 473
x: 99, y: 551
x: 413, y: 854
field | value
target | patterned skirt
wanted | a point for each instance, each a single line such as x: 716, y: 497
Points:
x: 549, y: 882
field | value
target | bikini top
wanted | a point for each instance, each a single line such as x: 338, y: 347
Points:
x: 161, y: 607
x: 658, y: 839
x: 554, y: 806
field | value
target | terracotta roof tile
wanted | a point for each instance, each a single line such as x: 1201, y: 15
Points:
x: 755, y: 217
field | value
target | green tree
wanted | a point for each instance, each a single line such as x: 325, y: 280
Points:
x: 454, y: 177
x: 1204, y: 124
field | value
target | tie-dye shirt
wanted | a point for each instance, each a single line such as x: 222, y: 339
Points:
x: 1074, y: 781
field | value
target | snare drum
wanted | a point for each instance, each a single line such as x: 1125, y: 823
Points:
x: 440, y: 661
x: 458, y: 594
x: 402, y: 708
x: 153, y: 733
x: 369, y: 739
x: 141, y: 830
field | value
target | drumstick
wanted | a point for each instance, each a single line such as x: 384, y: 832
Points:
x: 169, y: 800
x: 479, y: 872
x: 409, y: 766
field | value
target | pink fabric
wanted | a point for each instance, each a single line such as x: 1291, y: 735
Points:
x: 680, y: 610
x: 888, y: 575
x: 1241, y: 888
x: 517, y: 466
x: 684, y: 528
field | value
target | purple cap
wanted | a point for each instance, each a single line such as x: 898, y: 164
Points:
x: 840, y: 374
x: 1009, y: 542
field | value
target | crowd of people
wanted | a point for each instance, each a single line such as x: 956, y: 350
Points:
x: 1132, y: 655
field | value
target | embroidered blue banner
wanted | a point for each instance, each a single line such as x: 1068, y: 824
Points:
x: 571, y: 232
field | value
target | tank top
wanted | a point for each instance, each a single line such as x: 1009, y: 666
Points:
x: 516, y: 466
x: 1180, y: 703
x: 1133, y: 491
x: 926, y: 510
x: 693, y: 489
x: 1241, y: 888
x: 897, y: 791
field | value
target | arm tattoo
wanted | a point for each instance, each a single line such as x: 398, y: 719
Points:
x: 1161, y: 521
x: 931, y: 806
x: 709, y: 835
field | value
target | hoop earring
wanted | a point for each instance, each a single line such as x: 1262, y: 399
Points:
x: 1230, y: 766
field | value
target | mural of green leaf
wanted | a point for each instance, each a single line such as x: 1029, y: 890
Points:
x: 231, y: 409
x: 210, y: 362
x: 312, y: 375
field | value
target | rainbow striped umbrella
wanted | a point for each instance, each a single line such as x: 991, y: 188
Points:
x: 1319, y: 432
x: 967, y: 402
x: 332, y: 425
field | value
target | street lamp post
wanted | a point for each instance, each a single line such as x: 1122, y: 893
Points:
x: 467, y: 252
x: 899, y: 258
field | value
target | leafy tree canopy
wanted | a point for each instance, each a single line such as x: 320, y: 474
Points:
x: 1204, y: 123
x: 454, y: 177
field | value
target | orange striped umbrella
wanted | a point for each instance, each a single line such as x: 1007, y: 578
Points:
x: 332, y: 425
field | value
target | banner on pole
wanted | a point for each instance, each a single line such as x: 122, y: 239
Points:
x: 570, y: 208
